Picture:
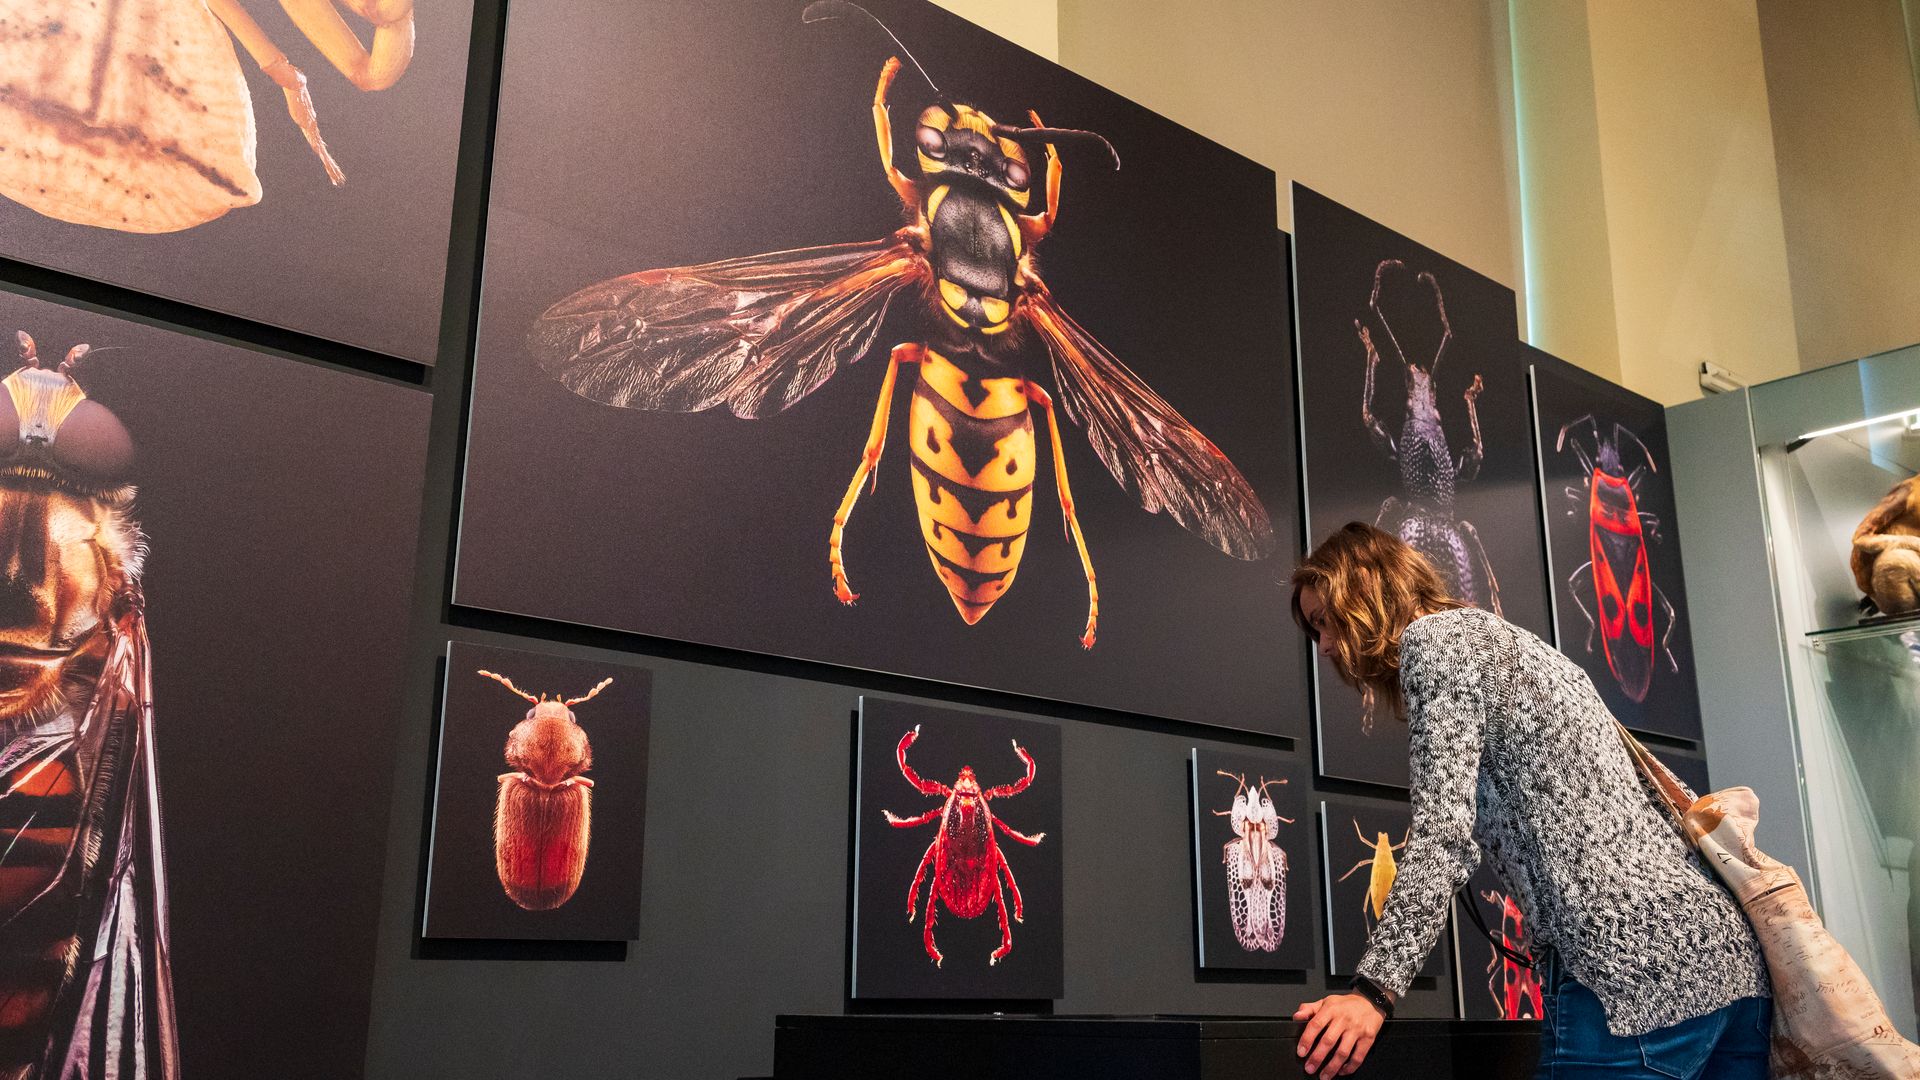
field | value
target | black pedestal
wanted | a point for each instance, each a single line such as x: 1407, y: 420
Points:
x: 1128, y: 1048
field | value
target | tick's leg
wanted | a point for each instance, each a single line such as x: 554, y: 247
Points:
x: 1017, y: 786
x: 376, y: 69
x: 1040, y: 398
x: 1035, y: 227
x: 1006, y: 931
x: 278, y: 68
x: 926, y: 933
x: 1585, y: 570
x: 909, y: 822
x: 1469, y: 464
x: 924, y: 787
x: 1376, y: 430
x: 1493, y: 581
x: 1019, y: 911
x: 883, y: 129
x: 869, y: 459
x: 1023, y: 838
x: 913, y: 893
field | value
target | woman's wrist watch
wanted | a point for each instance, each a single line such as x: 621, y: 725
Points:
x: 1374, y: 993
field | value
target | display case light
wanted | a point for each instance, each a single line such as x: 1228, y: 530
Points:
x: 1909, y: 418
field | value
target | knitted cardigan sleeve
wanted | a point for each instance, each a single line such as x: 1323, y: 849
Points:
x: 1442, y: 666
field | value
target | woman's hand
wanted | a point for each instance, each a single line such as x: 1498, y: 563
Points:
x: 1340, y: 1030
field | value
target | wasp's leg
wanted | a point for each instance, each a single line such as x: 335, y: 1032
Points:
x: 883, y: 129
x: 1376, y: 430
x: 1039, y: 397
x: 1573, y: 585
x: 1493, y: 581
x: 913, y: 892
x: 281, y: 70
x: 374, y: 69
x: 1035, y: 227
x: 1469, y: 464
x: 876, y: 440
x: 1666, y: 639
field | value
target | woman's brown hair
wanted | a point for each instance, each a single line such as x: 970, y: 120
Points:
x: 1373, y: 585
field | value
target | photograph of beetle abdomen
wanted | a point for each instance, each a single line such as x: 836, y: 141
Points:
x: 1254, y: 850
x: 991, y: 399
x: 539, y: 806
x: 958, y: 875
x: 1613, y: 546
x: 1421, y: 428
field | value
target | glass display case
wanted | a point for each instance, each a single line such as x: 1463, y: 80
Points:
x: 1827, y: 447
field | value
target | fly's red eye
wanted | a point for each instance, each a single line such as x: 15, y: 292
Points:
x: 1017, y: 175
x: 932, y: 142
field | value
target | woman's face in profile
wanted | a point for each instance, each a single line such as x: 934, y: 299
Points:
x: 1314, y: 610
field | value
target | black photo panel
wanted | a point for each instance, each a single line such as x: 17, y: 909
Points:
x: 1361, y: 845
x: 1613, y: 546
x: 1490, y: 986
x: 1414, y: 419
x: 1254, y: 843
x: 209, y: 557
x: 957, y: 866
x: 540, y: 797
x: 147, y: 146
x: 791, y: 402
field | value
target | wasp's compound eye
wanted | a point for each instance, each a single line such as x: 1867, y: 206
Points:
x: 932, y: 142
x: 1017, y: 175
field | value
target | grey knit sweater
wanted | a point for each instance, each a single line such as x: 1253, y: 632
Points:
x: 1513, y: 752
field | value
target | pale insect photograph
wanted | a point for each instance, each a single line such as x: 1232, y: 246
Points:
x: 1253, y: 842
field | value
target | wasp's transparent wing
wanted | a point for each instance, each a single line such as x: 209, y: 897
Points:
x: 754, y: 334
x: 1149, y: 447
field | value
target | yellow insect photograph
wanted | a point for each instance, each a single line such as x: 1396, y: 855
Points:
x: 1362, y: 842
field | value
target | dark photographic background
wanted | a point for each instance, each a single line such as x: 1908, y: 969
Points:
x: 1347, y: 926
x: 889, y: 955
x: 1347, y: 478
x: 1219, y: 948
x: 1472, y: 949
x: 685, y: 131
x: 281, y: 503
x: 464, y: 895
x: 363, y: 263
x: 1562, y: 394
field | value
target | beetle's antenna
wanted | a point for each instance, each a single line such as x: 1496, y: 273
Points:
x: 1266, y: 783
x: 591, y: 694
x: 508, y: 683
x: 822, y: 10
x: 1240, y: 780
x: 1050, y: 134
x: 29, y: 354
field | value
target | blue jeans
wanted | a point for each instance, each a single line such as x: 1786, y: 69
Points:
x: 1728, y: 1044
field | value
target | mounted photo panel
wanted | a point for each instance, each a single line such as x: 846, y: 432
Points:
x: 1254, y: 844
x: 540, y: 797
x: 1361, y: 844
x: 1613, y: 546
x: 1419, y: 426
x: 210, y: 559
x: 958, y: 880
x: 147, y: 146
x: 792, y: 399
x: 1488, y: 985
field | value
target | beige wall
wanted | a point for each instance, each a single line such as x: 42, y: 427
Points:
x: 1847, y: 141
x: 1034, y: 24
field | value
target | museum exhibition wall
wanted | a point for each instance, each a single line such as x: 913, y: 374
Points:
x: 551, y: 535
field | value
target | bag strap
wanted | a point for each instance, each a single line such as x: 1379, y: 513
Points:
x: 1670, y: 792
x: 1508, y: 954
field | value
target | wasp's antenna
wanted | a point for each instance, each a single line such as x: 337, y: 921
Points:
x: 1048, y: 134
x: 29, y: 355
x: 822, y: 10
x: 508, y: 683
x: 591, y: 694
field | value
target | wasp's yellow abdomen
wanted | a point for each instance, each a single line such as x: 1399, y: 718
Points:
x: 973, y: 468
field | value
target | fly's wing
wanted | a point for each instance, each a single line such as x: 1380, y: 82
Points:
x: 114, y: 1016
x: 754, y: 334
x: 127, y: 114
x: 1148, y: 447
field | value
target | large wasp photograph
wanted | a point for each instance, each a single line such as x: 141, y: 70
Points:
x: 1430, y: 438
x: 180, y: 630
x: 1613, y: 545
x: 1253, y: 843
x: 958, y: 871
x: 289, y: 163
x: 1004, y: 236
